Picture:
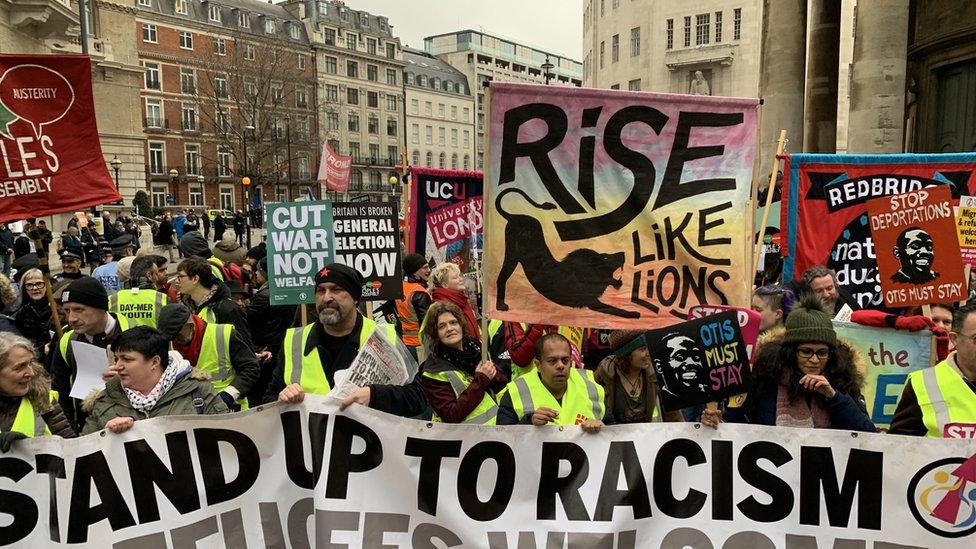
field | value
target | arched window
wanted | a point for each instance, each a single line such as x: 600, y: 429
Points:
x: 467, y: 162
x: 409, y: 77
x: 443, y: 160
x: 416, y: 158
x: 430, y: 159
x: 422, y: 80
x: 435, y: 83
x: 454, y: 159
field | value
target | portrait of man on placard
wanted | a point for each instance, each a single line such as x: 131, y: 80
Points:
x: 915, y: 251
x: 679, y: 359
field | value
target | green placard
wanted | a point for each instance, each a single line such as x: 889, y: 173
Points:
x: 299, y: 245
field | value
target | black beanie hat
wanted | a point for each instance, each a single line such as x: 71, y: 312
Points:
x: 345, y: 277
x: 412, y: 263
x: 257, y: 252
x: 193, y: 243
x: 86, y: 291
x: 171, y: 319
x: 263, y: 265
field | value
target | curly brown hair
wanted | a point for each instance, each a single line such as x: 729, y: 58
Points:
x: 429, y: 325
x: 840, y: 370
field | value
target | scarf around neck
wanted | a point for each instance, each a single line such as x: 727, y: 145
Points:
x: 466, y: 359
x: 177, y: 369
x: 458, y: 298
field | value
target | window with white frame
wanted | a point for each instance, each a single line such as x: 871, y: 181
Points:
x: 373, y: 124
x: 332, y: 120
x: 634, y: 85
x: 157, y: 152
x: 391, y: 50
x: 466, y: 139
x: 391, y: 127
x: 467, y: 162
x: 153, y: 76
x: 371, y: 46
x: 702, y: 28
x: 415, y: 133
x: 415, y: 158
x: 303, y: 170
x: 149, y: 33
x: 430, y: 159
x: 224, y: 167
x: 158, y: 196
x: 249, y: 52
x: 154, y: 113
x: 465, y: 114
x: 180, y: 7
x: 214, y: 13
x: 188, y: 80
x: 196, y: 195
x: 332, y: 93
x: 414, y: 106
x: 353, y: 123
x: 454, y: 137
x: 615, y: 48
x: 220, y: 85
x: 222, y: 120
x: 391, y: 77
x: 440, y: 110
x: 429, y: 135
x: 269, y: 26
x: 243, y: 20
x: 391, y: 103
x: 453, y: 112
x: 186, y: 40
x: 331, y: 65
x: 718, y: 27
x: 352, y: 96
x: 635, y: 42
x: 220, y: 46
x: 669, y: 34
x: 188, y: 116
x: 737, y: 24
x: 301, y: 97
x: 351, y: 41
x: 302, y: 126
x: 146, y: 3
x: 330, y: 35
x: 428, y: 108
x: 454, y: 161
x: 281, y: 193
x: 293, y: 32
x: 442, y: 161
x: 441, y: 136
x: 250, y: 88
x: 372, y: 73
x: 364, y: 19
x: 227, y: 198
x: 687, y: 30
x: 191, y: 154
x: 301, y: 61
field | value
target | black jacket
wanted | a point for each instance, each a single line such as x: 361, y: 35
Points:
x: 33, y: 319
x: 6, y: 239
x: 226, y: 311
x: 406, y: 400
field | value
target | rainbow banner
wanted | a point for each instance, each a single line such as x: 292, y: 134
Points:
x: 616, y: 209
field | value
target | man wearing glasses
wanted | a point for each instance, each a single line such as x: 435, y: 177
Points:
x: 940, y: 401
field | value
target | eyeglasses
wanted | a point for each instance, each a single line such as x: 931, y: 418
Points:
x: 34, y: 285
x: 970, y: 337
x: 822, y: 354
x: 181, y: 276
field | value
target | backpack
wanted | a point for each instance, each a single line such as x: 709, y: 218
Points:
x: 232, y: 271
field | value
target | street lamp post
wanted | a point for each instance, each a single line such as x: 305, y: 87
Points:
x: 173, y: 176
x: 288, y: 151
x: 246, y: 183
x: 546, y: 68
x: 116, y: 166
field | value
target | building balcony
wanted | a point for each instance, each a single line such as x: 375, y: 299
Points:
x: 722, y: 54
x: 154, y: 124
x: 43, y: 18
x: 367, y: 160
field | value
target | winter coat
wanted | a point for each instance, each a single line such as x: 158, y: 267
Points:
x: 225, y: 310
x: 229, y: 251
x: 847, y: 411
x: 193, y: 243
x: 33, y: 319
x: 6, y: 239
x: 112, y: 402
x: 219, y: 227
x: 165, y: 233
x: 38, y: 394
x: 240, y: 223
x: 72, y: 244
x: 22, y: 246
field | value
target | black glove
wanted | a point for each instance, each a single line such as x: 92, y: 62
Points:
x: 8, y: 438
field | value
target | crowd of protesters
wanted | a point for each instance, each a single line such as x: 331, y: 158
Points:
x: 206, y: 339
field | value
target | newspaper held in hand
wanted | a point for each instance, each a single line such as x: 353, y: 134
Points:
x: 379, y: 362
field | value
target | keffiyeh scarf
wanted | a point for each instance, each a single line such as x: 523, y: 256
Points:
x: 172, y: 374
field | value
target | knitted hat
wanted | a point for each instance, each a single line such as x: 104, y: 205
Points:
x: 345, y: 277
x: 86, y: 291
x: 810, y: 323
x: 171, y: 319
x: 619, y: 338
x: 257, y: 252
x: 412, y: 263
x: 193, y: 243
x: 263, y: 265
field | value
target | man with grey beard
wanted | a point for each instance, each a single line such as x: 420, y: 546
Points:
x: 311, y: 355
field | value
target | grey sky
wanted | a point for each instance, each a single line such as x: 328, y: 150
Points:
x: 552, y: 25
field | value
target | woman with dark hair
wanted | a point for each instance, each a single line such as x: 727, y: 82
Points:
x: 803, y: 377
x: 774, y: 303
x: 629, y: 380
x: 459, y: 386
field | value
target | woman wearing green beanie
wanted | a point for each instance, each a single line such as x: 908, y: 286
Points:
x: 803, y: 377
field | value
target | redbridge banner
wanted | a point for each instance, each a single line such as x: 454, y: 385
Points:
x: 446, y: 216
x: 52, y: 158
x: 825, y: 215
x: 310, y: 476
x: 616, y: 209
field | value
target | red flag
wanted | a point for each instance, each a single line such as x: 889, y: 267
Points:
x: 334, y: 170
x: 51, y: 157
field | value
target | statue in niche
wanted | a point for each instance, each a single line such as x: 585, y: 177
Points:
x: 699, y: 86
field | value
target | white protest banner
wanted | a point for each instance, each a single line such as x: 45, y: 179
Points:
x: 307, y: 476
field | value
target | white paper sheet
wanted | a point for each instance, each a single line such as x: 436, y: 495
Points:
x: 91, y: 361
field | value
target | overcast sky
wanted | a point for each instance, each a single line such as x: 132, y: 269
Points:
x: 552, y: 25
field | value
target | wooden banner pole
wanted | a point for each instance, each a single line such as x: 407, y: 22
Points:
x: 486, y: 180
x: 780, y: 148
x: 35, y: 234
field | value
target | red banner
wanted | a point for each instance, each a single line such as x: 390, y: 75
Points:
x: 918, y: 251
x: 334, y: 170
x: 51, y: 158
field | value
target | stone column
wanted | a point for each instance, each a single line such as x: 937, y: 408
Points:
x: 781, y: 78
x: 877, y: 113
x: 823, y: 56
